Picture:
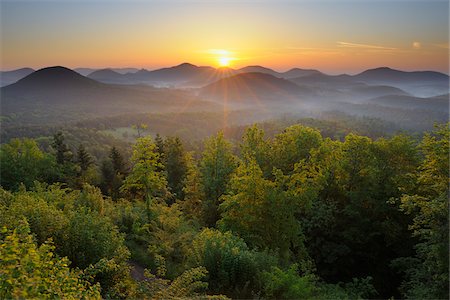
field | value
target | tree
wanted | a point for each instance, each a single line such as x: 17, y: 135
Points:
x: 113, y: 172
x: 188, y: 285
x: 28, y: 271
x: 255, y: 146
x: 263, y: 212
x: 175, y: 165
x: 232, y: 268
x: 216, y: 166
x: 170, y: 235
x: 140, y: 129
x: 353, y: 210
x: 84, y: 159
x: 294, y: 145
x: 21, y: 161
x: 144, y: 179
x: 427, y: 272
x: 193, y: 191
x: 92, y: 242
x: 63, y: 153
x: 117, y: 161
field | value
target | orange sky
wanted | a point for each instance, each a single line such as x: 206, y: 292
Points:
x: 332, y: 36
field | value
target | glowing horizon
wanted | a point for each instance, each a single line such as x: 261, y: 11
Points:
x: 330, y: 36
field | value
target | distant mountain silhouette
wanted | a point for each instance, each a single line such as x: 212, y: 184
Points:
x: 437, y: 104
x: 388, y: 75
x: 61, y: 90
x: 85, y: 71
x: 254, y: 86
x: 52, y: 77
x: 9, y: 77
x: 181, y: 73
x: 258, y: 69
x: 371, y: 91
x: 106, y: 75
x: 296, y: 72
x: 321, y: 79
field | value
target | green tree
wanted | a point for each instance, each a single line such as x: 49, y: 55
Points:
x: 44, y: 219
x: 170, y: 235
x: 188, y: 285
x: 28, y: 271
x: 175, y: 165
x: 118, y: 162
x: 84, y: 159
x: 63, y: 153
x: 293, y: 145
x: 113, y: 172
x: 144, y: 180
x: 21, y: 161
x: 216, y: 166
x: 93, y: 243
x: 233, y: 269
x: 427, y: 272
x: 255, y: 146
x: 193, y: 191
x: 353, y: 210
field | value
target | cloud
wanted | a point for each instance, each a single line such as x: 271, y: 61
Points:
x: 416, y: 45
x: 443, y: 45
x: 363, y: 46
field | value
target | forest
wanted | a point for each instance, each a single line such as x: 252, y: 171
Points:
x: 258, y: 212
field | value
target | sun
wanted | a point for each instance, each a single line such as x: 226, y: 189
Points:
x: 224, y: 61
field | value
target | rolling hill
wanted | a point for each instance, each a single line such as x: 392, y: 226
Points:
x: 250, y: 87
x: 106, y: 76
x: 59, y: 94
x: 9, y: 77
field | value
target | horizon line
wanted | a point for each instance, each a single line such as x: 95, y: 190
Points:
x: 278, y: 70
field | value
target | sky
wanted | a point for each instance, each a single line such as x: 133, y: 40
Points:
x: 333, y: 36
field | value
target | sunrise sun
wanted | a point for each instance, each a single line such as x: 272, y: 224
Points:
x: 224, y: 61
x: 223, y: 57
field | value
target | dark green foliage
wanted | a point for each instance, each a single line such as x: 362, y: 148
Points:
x: 175, y: 165
x: 30, y: 271
x: 232, y: 268
x: 427, y: 272
x: 84, y: 159
x: 298, y: 216
x: 62, y: 151
x: 22, y: 162
x: 117, y: 160
x: 113, y: 172
x: 216, y: 166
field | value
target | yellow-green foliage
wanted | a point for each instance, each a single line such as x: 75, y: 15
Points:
x: 28, y: 271
x: 187, y: 285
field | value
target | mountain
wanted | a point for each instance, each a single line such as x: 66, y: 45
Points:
x: 437, y: 104
x: 84, y: 71
x: 388, y: 75
x: 418, y: 83
x: 296, y: 73
x: 60, y: 94
x: 254, y: 87
x: 87, y: 71
x: 321, y: 79
x: 180, y: 74
x: 258, y: 69
x: 124, y: 70
x: 183, y: 75
x: 372, y: 91
x: 56, y: 78
x: 9, y: 77
x: 107, y: 76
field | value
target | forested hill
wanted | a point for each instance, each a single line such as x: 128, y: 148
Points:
x: 291, y: 215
